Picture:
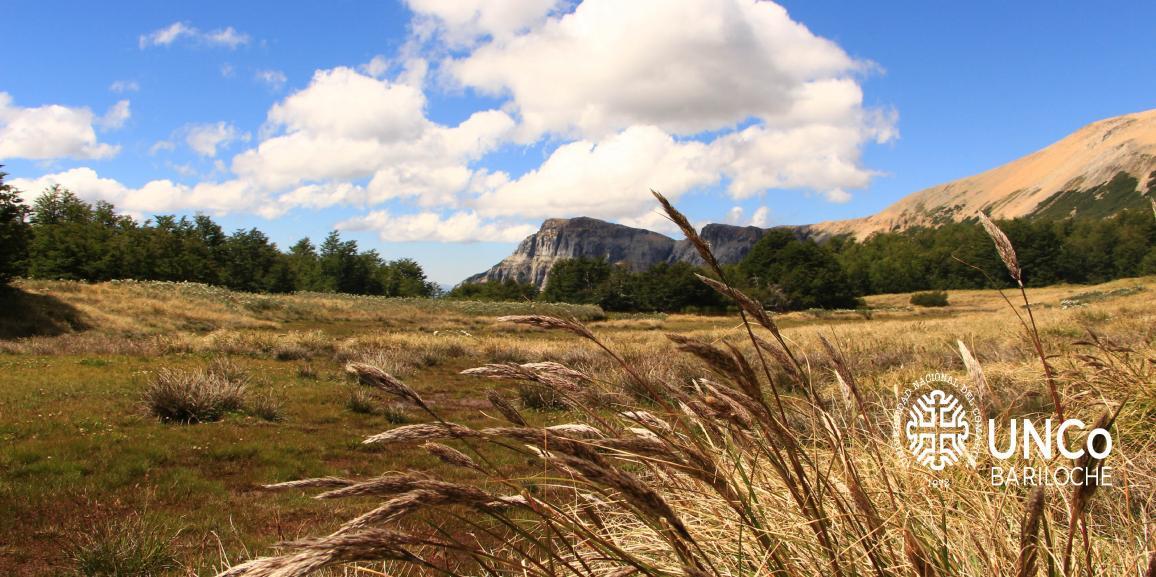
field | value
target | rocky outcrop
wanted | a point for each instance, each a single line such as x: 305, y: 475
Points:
x: 582, y: 237
x: 729, y: 243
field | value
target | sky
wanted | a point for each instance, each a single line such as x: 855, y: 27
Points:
x: 448, y: 130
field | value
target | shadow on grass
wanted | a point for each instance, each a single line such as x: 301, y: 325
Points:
x: 25, y: 314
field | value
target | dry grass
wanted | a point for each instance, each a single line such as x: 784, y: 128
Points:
x: 776, y: 460
x: 73, y: 441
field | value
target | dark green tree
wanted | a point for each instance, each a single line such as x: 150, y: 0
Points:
x: 14, y: 231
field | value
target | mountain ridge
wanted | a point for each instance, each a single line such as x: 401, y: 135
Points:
x: 1097, y: 170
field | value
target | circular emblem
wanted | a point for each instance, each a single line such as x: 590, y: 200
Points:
x: 936, y: 422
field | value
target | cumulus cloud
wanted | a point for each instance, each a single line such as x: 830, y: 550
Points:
x: 460, y: 226
x: 606, y: 66
x: 204, y: 139
x: 776, y: 105
x: 463, y: 22
x: 606, y: 179
x: 55, y: 131
x: 274, y: 79
x: 156, y: 196
x: 348, y: 126
x: 227, y: 37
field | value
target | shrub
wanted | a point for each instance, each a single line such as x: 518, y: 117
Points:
x: 929, y: 299
x: 361, y: 402
x: 193, y: 396
x: 539, y: 398
x: 266, y: 406
x: 128, y: 547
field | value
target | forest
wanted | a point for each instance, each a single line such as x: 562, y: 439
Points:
x: 786, y: 272
x: 60, y: 236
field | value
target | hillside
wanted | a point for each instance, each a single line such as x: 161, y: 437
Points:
x: 1096, y: 171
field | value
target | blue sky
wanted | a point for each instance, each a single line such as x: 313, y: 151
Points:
x: 447, y: 130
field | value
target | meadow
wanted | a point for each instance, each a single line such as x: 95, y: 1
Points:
x: 90, y: 475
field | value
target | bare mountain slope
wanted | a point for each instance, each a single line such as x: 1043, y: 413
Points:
x: 1078, y: 174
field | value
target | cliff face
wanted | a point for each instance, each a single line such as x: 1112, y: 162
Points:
x: 560, y: 239
x: 729, y: 243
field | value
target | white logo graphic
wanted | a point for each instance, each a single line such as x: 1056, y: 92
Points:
x: 937, y: 429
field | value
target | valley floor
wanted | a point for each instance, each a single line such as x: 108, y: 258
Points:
x: 80, y: 454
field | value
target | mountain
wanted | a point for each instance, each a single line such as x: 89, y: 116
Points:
x: 1096, y: 171
x: 561, y: 238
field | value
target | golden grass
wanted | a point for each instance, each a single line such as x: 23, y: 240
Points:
x: 777, y: 460
x: 52, y: 387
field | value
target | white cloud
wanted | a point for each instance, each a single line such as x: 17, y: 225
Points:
x: 122, y: 86
x: 346, y: 126
x: 53, y: 131
x: 162, y: 146
x: 759, y: 218
x: 156, y: 196
x: 777, y: 106
x: 376, y: 67
x: 227, y: 37
x: 734, y: 215
x: 116, y: 116
x: 607, y: 66
x: 430, y: 226
x: 463, y: 22
x: 607, y: 179
x: 204, y: 139
x: 274, y: 79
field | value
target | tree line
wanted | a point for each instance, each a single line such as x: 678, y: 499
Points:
x: 787, y: 272
x: 60, y: 236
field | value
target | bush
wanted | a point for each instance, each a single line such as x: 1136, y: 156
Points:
x: 536, y: 397
x: 123, y: 548
x: 193, y: 396
x: 266, y: 406
x: 361, y: 402
x: 929, y: 299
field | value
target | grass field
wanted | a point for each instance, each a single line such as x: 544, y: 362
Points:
x: 80, y: 455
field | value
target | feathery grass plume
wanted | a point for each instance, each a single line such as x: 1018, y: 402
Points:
x: 1030, y: 533
x: 975, y: 373
x: 1003, y: 246
x: 692, y: 235
x: 507, y: 410
x: 421, y: 432
x: 551, y: 323
x: 847, y: 379
x: 713, y: 356
x: 318, y: 483
x: 451, y: 456
x: 752, y: 306
x: 314, y: 554
x: 1082, y: 494
x: 576, y: 431
x: 372, y: 376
